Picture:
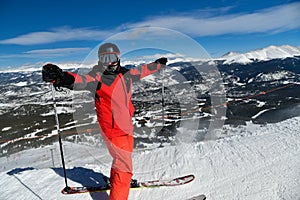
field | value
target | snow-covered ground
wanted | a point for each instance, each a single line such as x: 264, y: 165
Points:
x: 248, y: 162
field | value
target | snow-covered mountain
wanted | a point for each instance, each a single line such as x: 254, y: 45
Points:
x: 253, y: 156
x: 264, y: 54
x: 186, y: 91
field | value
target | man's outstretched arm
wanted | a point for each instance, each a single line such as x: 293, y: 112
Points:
x: 147, y: 69
x: 52, y: 73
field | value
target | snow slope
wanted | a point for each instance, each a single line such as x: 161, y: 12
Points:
x: 247, y: 162
x: 268, y: 53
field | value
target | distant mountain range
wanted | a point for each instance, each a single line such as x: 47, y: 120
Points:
x: 261, y: 86
x: 264, y: 54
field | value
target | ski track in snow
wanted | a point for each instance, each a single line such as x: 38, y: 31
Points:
x: 261, y: 162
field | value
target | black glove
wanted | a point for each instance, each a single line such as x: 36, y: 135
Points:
x: 52, y: 73
x: 162, y: 61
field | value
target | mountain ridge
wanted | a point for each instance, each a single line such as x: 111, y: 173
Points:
x: 261, y: 54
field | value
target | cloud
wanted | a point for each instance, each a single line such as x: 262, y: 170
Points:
x: 57, y: 51
x: 57, y: 35
x: 207, y: 22
x: 271, y: 20
x: 47, y: 53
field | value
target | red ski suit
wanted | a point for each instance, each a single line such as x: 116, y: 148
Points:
x: 113, y: 91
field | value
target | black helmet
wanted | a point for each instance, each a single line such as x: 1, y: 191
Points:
x: 109, y: 56
x: 108, y: 48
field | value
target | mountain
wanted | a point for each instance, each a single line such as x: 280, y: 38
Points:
x: 232, y: 124
x: 261, y: 92
x: 264, y: 54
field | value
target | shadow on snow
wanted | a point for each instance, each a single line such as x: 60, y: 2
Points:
x: 16, y: 171
x: 83, y: 176
x: 86, y: 177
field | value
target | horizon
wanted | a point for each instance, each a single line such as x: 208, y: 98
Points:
x: 89, y: 62
x: 65, y: 32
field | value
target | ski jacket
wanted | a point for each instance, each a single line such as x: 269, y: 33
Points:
x: 113, y: 91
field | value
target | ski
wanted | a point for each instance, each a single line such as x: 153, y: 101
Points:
x: 144, y: 184
x: 173, y: 182
x: 199, y: 197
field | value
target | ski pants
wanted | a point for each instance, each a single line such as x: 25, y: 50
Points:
x: 120, y: 148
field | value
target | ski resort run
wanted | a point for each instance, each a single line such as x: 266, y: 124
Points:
x: 256, y: 162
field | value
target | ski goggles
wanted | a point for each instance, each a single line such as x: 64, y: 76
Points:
x: 109, y: 58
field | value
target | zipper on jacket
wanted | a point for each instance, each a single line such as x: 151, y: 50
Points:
x: 112, y: 119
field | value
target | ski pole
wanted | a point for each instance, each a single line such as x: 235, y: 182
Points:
x: 162, y: 96
x: 59, y: 136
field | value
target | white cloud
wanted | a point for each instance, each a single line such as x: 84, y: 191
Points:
x: 47, y: 53
x: 57, y: 35
x: 207, y: 22
x: 58, y: 51
x: 275, y: 19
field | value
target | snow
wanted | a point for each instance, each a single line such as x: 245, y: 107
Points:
x: 38, y: 66
x: 60, y: 110
x: 246, y: 162
x: 6, y: 128
x: 273, y: 76
x: 264, y: 54
x: 261, y: 112
x: 20, y: 84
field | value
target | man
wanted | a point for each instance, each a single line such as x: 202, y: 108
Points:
x: 112, y: 86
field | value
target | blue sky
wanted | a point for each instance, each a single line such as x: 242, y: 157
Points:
x: 36, y: 32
